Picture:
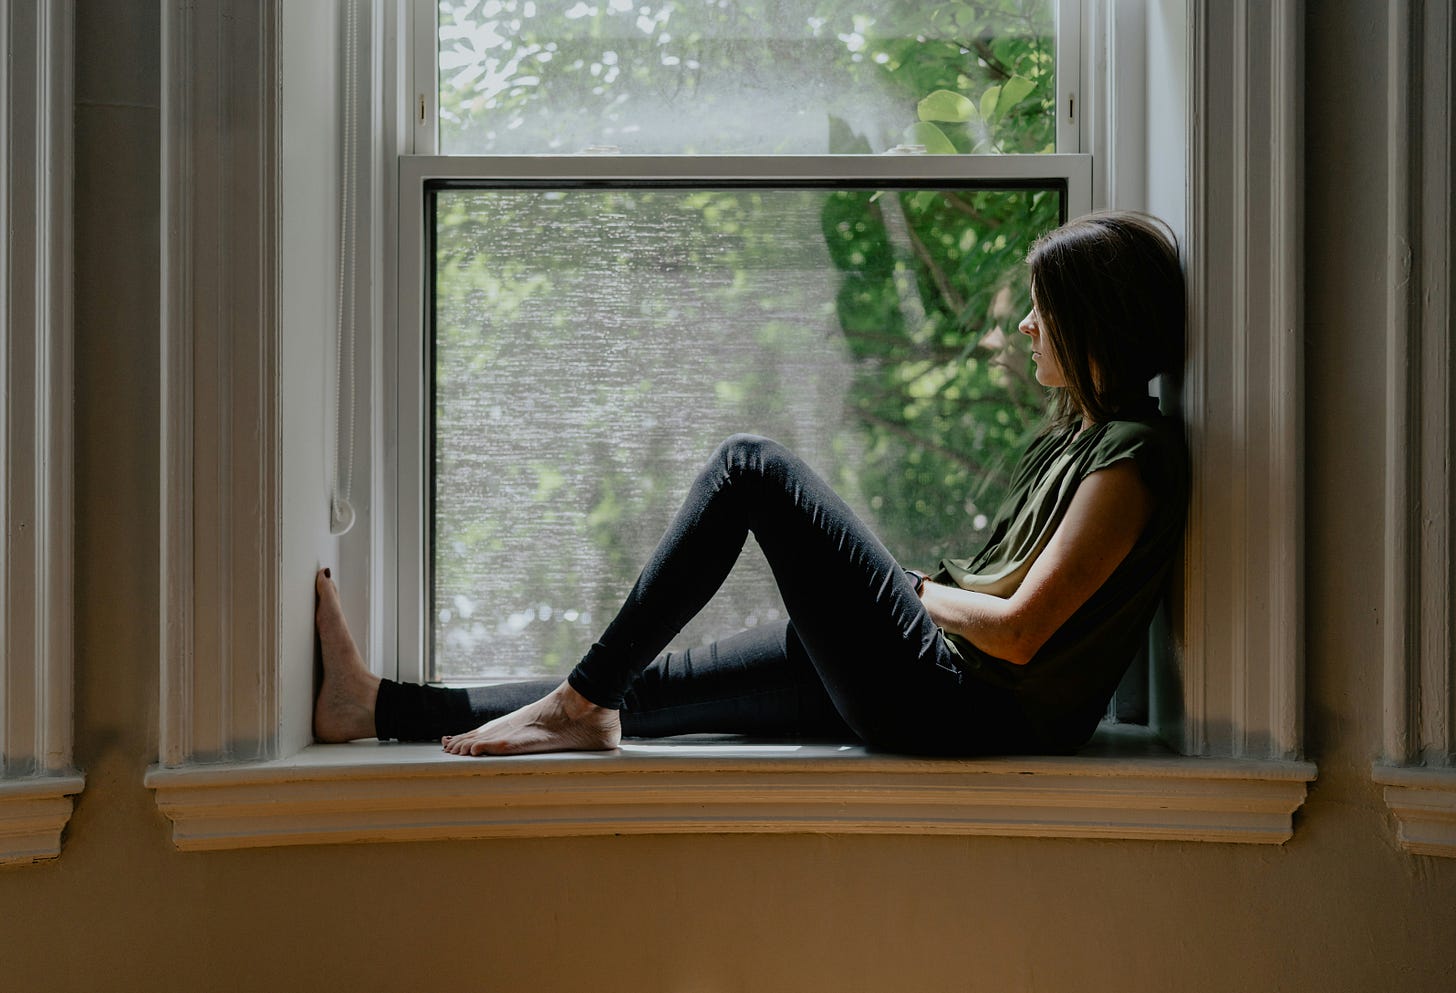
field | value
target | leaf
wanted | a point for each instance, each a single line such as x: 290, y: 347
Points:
x: 945, y: 105
x: 989, y: 100
x: 1015, y: 90
x: 927, y: 134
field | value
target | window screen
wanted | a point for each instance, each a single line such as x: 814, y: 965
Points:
x: 591, y: 346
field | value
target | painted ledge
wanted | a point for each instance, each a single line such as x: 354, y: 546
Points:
x: 1124, y: 785
x: 1424, y: 803
x: 33, y: 813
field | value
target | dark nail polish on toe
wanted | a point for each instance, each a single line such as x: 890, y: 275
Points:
x: 328, y: 574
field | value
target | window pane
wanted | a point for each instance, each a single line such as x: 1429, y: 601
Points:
x: 592, y: 347
x: 746, y: 77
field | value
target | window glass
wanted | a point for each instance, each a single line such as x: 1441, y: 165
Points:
x: 592, y: 347
x: 746, y: 76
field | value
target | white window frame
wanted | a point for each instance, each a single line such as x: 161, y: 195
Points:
x: 414, y: 572
x: 37, y: 778
x: 1233, y: 710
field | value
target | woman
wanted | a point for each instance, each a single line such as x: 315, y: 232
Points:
x: 1017, y: 649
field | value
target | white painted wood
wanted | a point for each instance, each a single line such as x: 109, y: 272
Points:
x: 1438, y: 497
x: 1177, y: 706
x: 1122, y: 153
x: 33, y: 814
x: 1285, y: 383
x: 1071, y: 74
x: 1241, y: 620
x: 1420, y: 666
x: 220, y: 387
x: 424, y: 89
x: 391, y: 135
x: 36, y: 100
x: 366, y: 792
x: 1399, y: 550
x: 1424, y: 804
x: 313, y: 286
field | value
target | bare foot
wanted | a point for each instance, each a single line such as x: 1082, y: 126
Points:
x: 344, y: 709
x: 562, y: 721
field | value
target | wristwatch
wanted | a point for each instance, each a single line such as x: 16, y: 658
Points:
x: 918, y: 578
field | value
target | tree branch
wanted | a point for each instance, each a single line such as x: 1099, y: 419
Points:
x: 959, y: 203
x: 982, y: 47
x: 919, y: 350
x: 952, y: 299
x: 903, y: 432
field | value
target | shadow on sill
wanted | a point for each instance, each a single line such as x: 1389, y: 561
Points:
x: 1127, y: 741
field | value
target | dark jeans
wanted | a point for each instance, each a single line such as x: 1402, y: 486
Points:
x: 858, y: 655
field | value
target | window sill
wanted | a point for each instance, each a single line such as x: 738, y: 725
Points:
x: 1125, y: 785
x: 33, y: 813
x: 1424, y: 804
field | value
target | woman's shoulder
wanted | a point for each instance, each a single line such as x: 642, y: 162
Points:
x: 1153, y: 441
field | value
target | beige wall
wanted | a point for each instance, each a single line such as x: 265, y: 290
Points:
x: 1338, y: 908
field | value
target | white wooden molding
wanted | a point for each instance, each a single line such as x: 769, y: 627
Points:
x: 221, y: 485
x: 33, y: 813
x: 1424, y: 804
x: 36, y: 775
x: 370, y: 792
x: 220, y: 381
x: 1420, y: 664
x: 1241, y: 641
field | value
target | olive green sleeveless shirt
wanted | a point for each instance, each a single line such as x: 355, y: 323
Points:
x: 1065, y: 688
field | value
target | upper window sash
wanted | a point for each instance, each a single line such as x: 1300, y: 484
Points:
x: 421, y: 50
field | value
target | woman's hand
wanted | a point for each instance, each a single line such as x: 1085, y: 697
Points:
x: 1106, y: 516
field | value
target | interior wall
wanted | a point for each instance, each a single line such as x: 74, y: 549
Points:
x: 1338, y: 908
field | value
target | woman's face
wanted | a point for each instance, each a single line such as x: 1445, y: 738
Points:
x: 1048, y: 373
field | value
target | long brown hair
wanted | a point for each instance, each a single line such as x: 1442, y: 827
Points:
x: 1108, y: 290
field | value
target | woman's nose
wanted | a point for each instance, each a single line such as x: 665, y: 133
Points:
x: 1026, y: 325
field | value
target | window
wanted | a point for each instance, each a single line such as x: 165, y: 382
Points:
x: 237, y: 665
x: 861, y: 310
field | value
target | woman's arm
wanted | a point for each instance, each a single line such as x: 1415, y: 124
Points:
x: 1107, y: 514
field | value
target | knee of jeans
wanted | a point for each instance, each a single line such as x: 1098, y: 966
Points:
x: 747, y: 450
x: 750, y: 449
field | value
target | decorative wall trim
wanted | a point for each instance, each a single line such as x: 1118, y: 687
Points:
x: 36, y: 99
x: 1420, y: 665
x: 1424, y: 804
x: 367, y: 792
x: 220, y: 385
x: 33, y: 813
x: 1241, y: 639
